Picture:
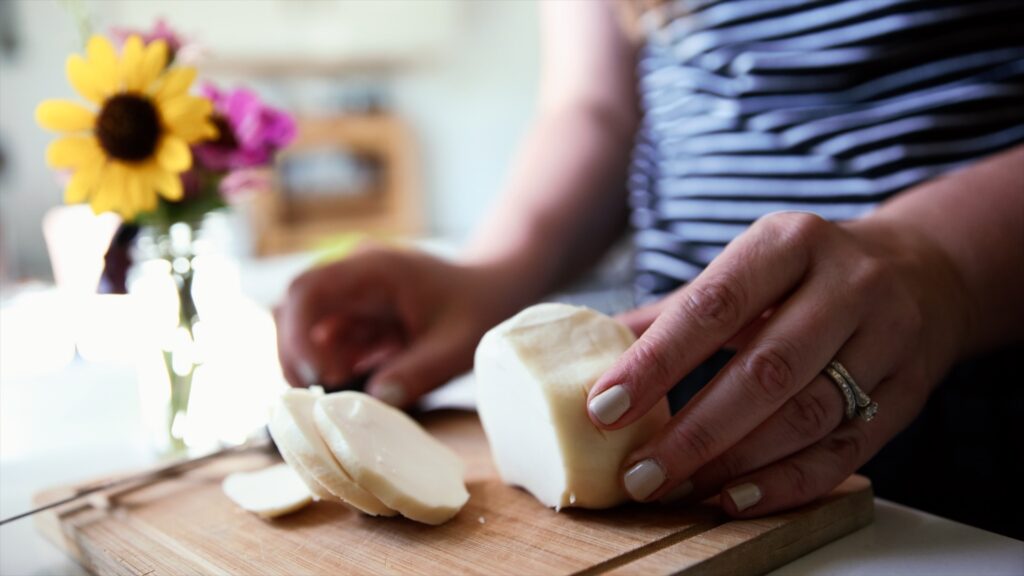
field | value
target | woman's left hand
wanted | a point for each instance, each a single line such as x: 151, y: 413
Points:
x: 793, y: 293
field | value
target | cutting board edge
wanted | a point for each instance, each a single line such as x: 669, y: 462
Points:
x: 849, y: 508
x: 784, y: 548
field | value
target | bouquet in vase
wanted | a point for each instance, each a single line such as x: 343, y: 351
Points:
x: 149, y: 146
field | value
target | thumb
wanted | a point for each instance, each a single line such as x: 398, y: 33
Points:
x: 428, y: 362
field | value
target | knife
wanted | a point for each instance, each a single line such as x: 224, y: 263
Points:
x: 261, y: 441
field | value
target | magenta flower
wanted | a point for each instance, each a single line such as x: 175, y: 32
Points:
x: 246, y: 181
x: 161, y: 31
x: 250, y: 131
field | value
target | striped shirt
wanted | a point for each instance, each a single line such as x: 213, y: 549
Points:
x: 826, y: 106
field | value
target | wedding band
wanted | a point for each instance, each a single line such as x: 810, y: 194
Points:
x: 848, y: 397
x: 858, y: 403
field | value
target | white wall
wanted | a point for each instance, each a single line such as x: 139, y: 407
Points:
x: 468, y: 97
x: 46, y: 35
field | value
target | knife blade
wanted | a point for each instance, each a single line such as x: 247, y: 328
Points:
x: 259, y: 442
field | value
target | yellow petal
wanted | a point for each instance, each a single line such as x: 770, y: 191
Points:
x: 173, y: 154
x: 64, y: 116
x: 185, y: 109
x: 132, y: 201
x: 149, y: 187
x: 174, y: 83
x: 109, y: 188
x: 131, y: 64
x: 74, y: 152
x: 154, y: 60
x: 167, y: 184
x: 188, y: 117
x: 82, y: 185
x: 103, y: 62
x: 83, y: 78
x: 193, y: 132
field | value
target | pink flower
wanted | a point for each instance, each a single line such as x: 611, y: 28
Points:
x: 250, y: 131
x: 160, y: 31
x: 245, y: 181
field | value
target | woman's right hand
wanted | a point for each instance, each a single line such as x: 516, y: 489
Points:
x: 409, y: 318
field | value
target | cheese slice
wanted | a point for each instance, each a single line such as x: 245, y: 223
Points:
x: 392, y: 456
x: 293, y: 430
x: 317, y: 489
x: 533, y: 373
x: 270, y: 492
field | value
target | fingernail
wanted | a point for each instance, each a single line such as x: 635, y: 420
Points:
x: 610, y: 405
x: 745, y: 495
x: 677, y: 493
x: 390, y: 393
x: 307, y: 374
x: 643, y: 479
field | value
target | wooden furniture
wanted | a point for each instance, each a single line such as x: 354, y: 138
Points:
x: 186, y: 525
x: 284, y: 222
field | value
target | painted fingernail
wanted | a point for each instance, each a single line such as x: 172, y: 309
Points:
x: 307, y: 374
x: 677, y: 493
x: 610, y: 405
x: 643, y: 478
x: 745, y: 495
x: 390, y: 393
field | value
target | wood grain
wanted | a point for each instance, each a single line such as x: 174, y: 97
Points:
x: 186, y: 525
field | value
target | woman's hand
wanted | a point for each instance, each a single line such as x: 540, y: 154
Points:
x: 410, y: 319
x: 794, y: 293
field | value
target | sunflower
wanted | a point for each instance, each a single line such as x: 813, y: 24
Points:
x: 133, y: 144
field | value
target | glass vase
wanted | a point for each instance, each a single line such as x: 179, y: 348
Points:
x: 170, y: 250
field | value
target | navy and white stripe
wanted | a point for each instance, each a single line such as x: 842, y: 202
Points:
x: 828, y: 106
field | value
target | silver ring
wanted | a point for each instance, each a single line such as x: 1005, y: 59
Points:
x: 848, y: 397
x: 858, y: 403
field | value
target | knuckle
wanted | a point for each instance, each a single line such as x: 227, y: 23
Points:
x: 694, y: 440
x: 298, y: 287
x: 652, y: 364
x: 304, y: 288
x: 716, y: 303
x: 871, y: 276
x: 795, y: 228
x: 768, y: 375
x: 807, y: 416
x: 730, y: 465
x: 908, y: 316
x: 850, y: 446
x: 799, y: 480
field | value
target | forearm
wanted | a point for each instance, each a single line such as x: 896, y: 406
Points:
x: 564, y: 205
x: 565, y: 202
x: 975, y: 217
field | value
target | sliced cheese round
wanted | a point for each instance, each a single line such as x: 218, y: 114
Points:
x: 270, y: 492
x: 392, y: 456
x: 317, y: 489
x: 293, y: 430
x: 533, y: 374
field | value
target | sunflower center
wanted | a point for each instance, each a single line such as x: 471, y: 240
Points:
x: 128, y: 127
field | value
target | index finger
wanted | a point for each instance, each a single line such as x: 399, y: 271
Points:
x: 753, y: 273
x: 322, y: 303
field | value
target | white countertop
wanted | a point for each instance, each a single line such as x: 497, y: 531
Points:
x: 84, y: 419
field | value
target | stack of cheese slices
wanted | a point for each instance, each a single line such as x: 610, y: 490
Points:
x: 350, y: 447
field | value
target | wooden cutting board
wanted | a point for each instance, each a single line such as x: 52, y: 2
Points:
x: 185, y: 525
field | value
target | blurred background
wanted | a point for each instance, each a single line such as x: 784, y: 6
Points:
x: 459, y: 77
x: 407, y: 113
